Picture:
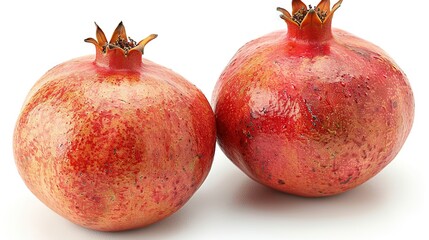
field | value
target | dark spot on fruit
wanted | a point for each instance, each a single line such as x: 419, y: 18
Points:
x: 281, y: 182
x: 314, y: 118
x: 364, y: 154
x: 346, y: 181
x: 316, y: 88
x: 248, y: 134
x: 249, y: 125
x: 264, y: 110
x: 254, y: 115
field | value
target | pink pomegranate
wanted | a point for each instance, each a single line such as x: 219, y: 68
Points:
x: 312, y: 111
x: 114, y: 143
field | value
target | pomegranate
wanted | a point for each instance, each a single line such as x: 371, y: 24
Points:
x: 312, y: 111
x: 116, y: 143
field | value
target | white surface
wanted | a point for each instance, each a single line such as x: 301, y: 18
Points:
x: 197, y: 39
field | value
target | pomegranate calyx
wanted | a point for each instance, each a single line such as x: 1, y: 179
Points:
x: 119, y: 40
x: 303, y: 15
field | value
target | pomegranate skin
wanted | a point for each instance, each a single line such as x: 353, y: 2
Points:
x: 312, y: 113
x: 114, y: 149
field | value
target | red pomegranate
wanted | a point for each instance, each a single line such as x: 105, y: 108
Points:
x: 116, y: 143
x: 312, y: 111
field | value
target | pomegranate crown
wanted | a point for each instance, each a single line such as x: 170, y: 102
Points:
x: 119, y: 40
x: 303, y: 15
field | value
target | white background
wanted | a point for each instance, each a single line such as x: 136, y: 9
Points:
x: 197, y: 39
